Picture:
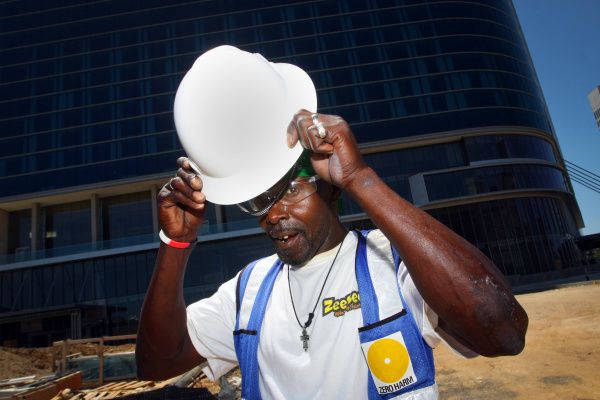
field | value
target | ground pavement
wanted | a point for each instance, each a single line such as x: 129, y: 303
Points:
x: 561, y: 359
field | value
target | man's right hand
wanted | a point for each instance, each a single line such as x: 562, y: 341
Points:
x: 164, y: 348
x: 181, y: 204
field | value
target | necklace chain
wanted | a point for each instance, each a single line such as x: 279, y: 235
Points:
x: 305, y: 337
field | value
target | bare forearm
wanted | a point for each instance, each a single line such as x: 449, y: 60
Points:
x: 458, y: 282
x: 163, y: 345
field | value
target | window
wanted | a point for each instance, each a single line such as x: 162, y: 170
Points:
x: 126, y: 215
x: 508, y: 146
x: 65, y: 224
x: 19, y: 226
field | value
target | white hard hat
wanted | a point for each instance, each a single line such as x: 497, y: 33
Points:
x: 232, y: 110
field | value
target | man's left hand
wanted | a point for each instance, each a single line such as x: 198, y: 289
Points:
x: 335, y: 157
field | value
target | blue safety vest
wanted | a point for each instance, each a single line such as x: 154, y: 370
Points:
x: 399, y: 360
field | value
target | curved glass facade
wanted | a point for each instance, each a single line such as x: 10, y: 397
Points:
x: 492, y: 147
x: 441, y: 94
x: 522, y: 235
x: 98, y: 88
x: 493, y: 179
x: 460, y: 174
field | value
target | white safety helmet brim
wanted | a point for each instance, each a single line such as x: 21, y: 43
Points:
x: 232, y: 110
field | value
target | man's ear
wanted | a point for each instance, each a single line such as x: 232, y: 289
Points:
x: 336, y: 192
x: 330, y: 194
x: 335, y: 198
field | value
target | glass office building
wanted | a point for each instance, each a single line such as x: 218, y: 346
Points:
x: 442, y: 96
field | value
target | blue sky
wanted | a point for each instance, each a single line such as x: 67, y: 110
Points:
x: 564, y: 42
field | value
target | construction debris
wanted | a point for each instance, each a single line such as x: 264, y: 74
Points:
x: 69, y: 387
x: 29, y: 388
x: 98, y: 367
x: 82, y: 368
x: 180, y: 387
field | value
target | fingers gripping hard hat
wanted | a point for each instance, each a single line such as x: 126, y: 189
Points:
x: 232, y: 110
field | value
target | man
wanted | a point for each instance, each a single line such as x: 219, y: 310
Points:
x: 324, y: 317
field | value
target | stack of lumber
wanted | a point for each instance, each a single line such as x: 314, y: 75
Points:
x: 111, y: 391
x: 180, y: 387
x: 69, y: 387
x: 40, y: 389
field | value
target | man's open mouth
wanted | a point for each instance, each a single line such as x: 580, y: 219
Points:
x: 283, y: 238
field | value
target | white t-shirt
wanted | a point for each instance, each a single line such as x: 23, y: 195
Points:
x: 334, y: 366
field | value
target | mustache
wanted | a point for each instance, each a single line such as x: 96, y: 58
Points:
x: 284, y: 227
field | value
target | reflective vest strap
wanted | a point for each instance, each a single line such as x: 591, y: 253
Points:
x: 371, y: 277
x: 247, y: 343
x: 262, y: 297
x: 368, y: 300
x: 396, y: 257
x: 242, y: 282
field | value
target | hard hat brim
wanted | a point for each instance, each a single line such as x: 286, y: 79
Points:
x: 263, y: 160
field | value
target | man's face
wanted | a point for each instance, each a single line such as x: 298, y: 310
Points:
x: 300, y: 231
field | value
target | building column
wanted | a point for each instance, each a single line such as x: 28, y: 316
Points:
x: 35, y: 227
x: 153, y: 194
x: 418, y: 189
x: 220, y: 217
x: 94, y: 203
x: 76, y: 325
x: 3, y: 232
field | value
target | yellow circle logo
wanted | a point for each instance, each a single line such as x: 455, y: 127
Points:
x: 388, y: 360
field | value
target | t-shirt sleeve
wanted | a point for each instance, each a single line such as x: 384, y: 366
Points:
x: 210, y: 324
x: 425, y: 317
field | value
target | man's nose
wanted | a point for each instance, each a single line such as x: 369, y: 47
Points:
x: 278, y: 212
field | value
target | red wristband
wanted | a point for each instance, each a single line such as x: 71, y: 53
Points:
x: 173, y: 243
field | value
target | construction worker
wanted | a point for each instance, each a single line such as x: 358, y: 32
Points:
x: 333, y: 314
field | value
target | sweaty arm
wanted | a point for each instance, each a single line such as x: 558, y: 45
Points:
x: 473, y: 301
x: 164, y: 348
x: 466, y: 290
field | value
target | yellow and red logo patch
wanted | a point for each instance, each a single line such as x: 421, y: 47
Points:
x: 389, y: 363
x: 342, y: 305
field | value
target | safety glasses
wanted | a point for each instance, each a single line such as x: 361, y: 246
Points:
x: 287, y: 191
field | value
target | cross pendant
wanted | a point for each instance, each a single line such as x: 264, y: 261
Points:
x: 304, y: 339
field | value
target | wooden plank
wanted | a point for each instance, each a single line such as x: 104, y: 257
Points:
x: 162, y: 384
x: 113, y: 386
x: 140, y: 384
x: 126, y: 386
x: 55, y: 350
x: 82, y: 341
x: 51, y: 389
x: 123, y: 385
x: 119, y: 337
x: 64, y: 354
x: 109, y: 386
x: 44, y: 392
x: 96, y: 340
x: 16, y: 381
x: 72, y: 381
x: 67, y: 394
x: 114, y: 395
